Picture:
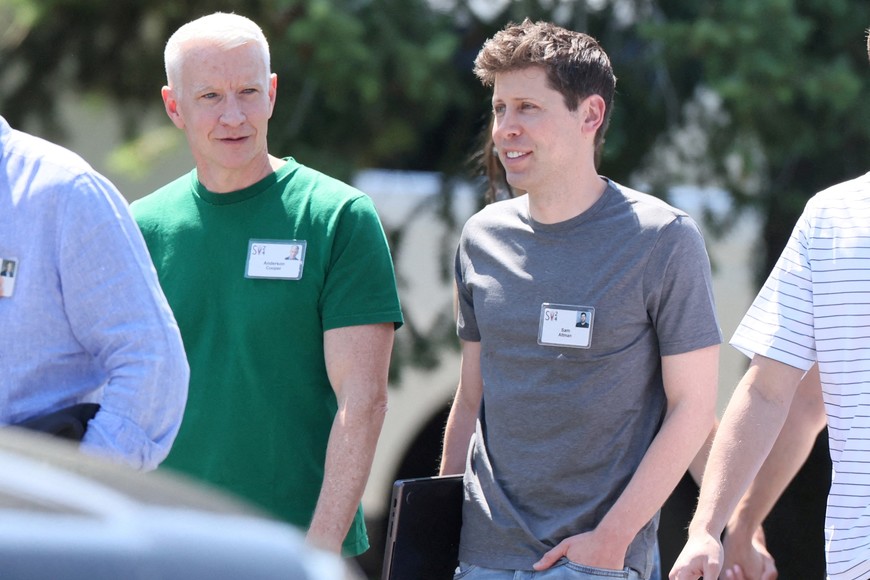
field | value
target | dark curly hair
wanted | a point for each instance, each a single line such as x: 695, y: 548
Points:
x: 575, y: 64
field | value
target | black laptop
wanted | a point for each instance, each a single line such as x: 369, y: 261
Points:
x: 423, y: 533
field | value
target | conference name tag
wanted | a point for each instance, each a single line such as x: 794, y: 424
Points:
x: 8, y: 275
x: 565, y: 325
x: 275, y: 259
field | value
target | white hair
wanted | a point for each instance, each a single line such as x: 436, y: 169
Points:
x: 221, y: 29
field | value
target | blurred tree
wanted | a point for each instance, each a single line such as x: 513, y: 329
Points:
x: 367, y: 84
x: 764, y: 99
x: 361, y: 82
x: 791, y: 85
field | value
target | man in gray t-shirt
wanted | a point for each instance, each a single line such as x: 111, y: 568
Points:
x: 578, y: 432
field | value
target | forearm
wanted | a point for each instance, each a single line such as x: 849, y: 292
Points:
x: 457, y: 435
x: 463, y: 413
x: 679, y: 440
x: 349, y: 455
x: 745, y: 437
x: 696, y: 468
x: 752, y: 421
x: 806, y: 417
x: 689, y: 381
x: 357, y: 361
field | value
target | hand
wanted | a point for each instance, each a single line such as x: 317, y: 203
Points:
x: 701, y: 557
x: 587, y: 549
x: 747, y: 558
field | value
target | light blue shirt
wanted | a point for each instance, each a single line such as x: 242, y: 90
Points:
x: 86, y: 320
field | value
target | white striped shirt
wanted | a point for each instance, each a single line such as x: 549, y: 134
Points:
x: 815, y: 306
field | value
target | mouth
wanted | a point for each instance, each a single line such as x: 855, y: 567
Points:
x: 514, y: 154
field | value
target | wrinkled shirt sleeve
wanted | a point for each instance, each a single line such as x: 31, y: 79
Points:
x: 119, y: 314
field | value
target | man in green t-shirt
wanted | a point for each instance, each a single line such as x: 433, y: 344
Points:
x: 283, y: 287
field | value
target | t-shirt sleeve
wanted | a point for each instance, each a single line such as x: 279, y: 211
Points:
x: 679, y: 290
x: 360, y: 286
x: 779, y: 323
x: 466, y: 322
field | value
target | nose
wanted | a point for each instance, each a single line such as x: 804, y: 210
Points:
x: 505, y: 126
x: 232, y: 113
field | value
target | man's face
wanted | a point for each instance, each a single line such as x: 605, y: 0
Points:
x: 224, y: 106
x: 537, y: 137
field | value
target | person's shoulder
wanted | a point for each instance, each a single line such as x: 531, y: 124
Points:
x: 326, y: 187
x: 32, y: 150
x: 657, y: 217
x: 500, y: 211
x: 647, y: 203
x: 846, y: 193
x: 57, y: 175
x: 323, y: 194
x: 499, y: 218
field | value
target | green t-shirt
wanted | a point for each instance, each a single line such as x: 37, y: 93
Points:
x: 261, y: 407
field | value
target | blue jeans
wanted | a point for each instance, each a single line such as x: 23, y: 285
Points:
x: 561, y: 570
x: 657, y: 564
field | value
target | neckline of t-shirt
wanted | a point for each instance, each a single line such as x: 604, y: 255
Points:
x: 578, y: 219
x: 246, y: 193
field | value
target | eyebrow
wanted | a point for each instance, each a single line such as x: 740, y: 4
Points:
x: 526, y: 98
x: 243, y: 85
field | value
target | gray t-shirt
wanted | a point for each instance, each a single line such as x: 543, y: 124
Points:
x: 563, y: 428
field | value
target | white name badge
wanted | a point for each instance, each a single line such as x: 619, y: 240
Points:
x: 563, y: 325
x: 8, y: 275
x: 275, y: 259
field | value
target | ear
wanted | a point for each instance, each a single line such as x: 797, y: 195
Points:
x: 273, y: 92
x: 170, y: 103
x: 592, y: 110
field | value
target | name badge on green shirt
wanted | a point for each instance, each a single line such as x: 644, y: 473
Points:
x: 275, y: 259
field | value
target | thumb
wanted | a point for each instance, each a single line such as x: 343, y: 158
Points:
x: 693, y: 570
x: 550, y: 558
x: 712, y: 569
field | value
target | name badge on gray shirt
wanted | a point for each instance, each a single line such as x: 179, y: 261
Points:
x: 565, y: 325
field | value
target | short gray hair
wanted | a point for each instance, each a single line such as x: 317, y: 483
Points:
x: 221, y: 29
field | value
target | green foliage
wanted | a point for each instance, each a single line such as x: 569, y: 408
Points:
x: 766, y: 98
x: 362, y: 83
x: 793, y: 79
